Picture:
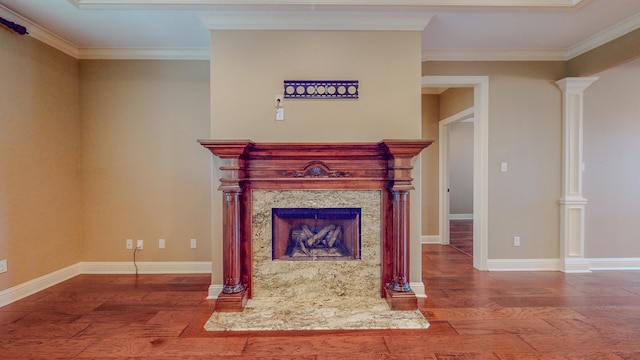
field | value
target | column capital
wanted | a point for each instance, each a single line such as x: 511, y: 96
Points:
x: 576, y: 84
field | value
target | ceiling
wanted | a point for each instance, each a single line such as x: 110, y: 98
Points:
x: 453, y: 29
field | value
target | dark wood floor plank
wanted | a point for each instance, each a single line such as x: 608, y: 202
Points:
x: 502, y: 313
x: 493, y: 327
x: 109, y: 330
x: 461, y: 343
x: 37, y: 348
x: 168, y: 347
x: 328, y: 345
x: 559, y: 355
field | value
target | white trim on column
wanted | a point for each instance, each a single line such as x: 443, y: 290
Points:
x: 418, y: 289
x: 214, y: 291
x: 572, y: 202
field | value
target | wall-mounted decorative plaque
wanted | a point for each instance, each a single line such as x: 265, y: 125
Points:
x: 321, y: 89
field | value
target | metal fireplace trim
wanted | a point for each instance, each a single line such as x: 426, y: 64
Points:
x: 344, y: 238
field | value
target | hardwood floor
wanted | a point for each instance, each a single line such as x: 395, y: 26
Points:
x: 461, y: 235
x: 473, y: 315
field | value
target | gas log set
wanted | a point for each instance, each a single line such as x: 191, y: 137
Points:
x: 314, y: 241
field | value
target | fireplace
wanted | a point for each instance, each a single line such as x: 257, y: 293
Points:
x: 320, y: 277
x: 260, y: 178
x: 315, y: 234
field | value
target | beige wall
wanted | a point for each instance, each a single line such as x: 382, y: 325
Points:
x: 430, y: 171
x: 144, y: 176
x: 611, y: 148
x: 248, y: 69
x: 609, y: 55
x: 39, y: 154
x: 525, y: 131
x: 455, y: 100
x: 461, y: 168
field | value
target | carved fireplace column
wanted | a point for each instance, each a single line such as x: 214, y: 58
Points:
x: 399, y: 281
x: 231, y: 242
x: 399, y: 295
x: 232, y: 155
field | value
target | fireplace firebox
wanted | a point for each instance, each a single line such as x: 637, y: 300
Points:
x: 316, y: 234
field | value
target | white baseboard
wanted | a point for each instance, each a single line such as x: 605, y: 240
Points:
x: 576, y: 266
x: 38, y: 284
x: 214, y: 291
x: 170, y: 267
x: 523, y: 265
x: 572, y: 265
x: 418, y: 289
x: 460, y: 216
x: 146, y: 267
x: 614, y: 263
x: 430, y: 239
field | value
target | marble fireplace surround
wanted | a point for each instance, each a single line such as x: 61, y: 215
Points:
x: 252, y: 172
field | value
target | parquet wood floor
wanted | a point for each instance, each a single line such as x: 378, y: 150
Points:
x: 473, y: 315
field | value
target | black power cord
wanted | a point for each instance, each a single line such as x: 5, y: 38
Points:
x: 135, y: 251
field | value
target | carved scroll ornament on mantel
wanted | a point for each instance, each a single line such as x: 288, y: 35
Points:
x: 316, y: 169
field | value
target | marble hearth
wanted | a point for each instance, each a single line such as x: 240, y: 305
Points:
x: 259, y: 177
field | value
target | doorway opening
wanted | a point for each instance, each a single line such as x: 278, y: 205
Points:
x: 456, y: 137
x: 480, y: 112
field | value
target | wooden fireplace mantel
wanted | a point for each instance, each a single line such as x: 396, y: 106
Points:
x: 246, y: 166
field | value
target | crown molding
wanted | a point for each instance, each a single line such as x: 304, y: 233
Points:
x: 622, y: 28
x: 312, y: 20
x: 144, y: 54
x: 494, y: 55
x: 40, y: 33
x: 212, y: 4
x: 316, y: 20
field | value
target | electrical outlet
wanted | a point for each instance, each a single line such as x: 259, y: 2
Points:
x: 193, y: 243
x: 3, y: 266
x: 129, y: 245
x: 516, y: 241
x: 161, y: 243
x: 140, y: 244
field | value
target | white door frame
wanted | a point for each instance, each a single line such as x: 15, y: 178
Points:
x: 480, y: 85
